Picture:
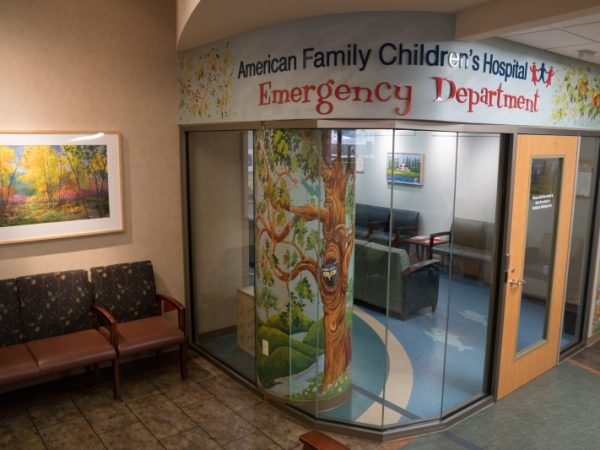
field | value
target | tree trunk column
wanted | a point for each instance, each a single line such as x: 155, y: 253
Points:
x: 333, y: 297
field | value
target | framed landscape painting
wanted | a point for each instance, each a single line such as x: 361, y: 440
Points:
x: 55, y: 185
x: 405, y: 168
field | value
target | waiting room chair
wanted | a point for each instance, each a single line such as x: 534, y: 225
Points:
x: 128, y: 292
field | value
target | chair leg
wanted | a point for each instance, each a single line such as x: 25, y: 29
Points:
x: 183, y: 360
x: 116, y: 379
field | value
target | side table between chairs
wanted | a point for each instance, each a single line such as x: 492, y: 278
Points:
x: 424, y: 244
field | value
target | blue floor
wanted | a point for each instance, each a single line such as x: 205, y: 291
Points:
x: 456, y: 356
x: 369, y: 367
x: 369, y: 371
x: 532, y: 325
x: 447, y: 350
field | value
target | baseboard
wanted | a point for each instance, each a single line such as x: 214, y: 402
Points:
x: 216, y: 333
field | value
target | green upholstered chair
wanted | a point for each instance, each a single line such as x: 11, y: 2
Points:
x: 411, y: 287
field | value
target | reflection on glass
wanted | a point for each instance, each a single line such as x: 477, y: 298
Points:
x: 368, y: 281
x: 249, y: 231
x: 472, y: 248
x: 402, y: 221
x: 422, y: 188
x: 544, y: 201
x: 583, y: 215
x: 220, y: 250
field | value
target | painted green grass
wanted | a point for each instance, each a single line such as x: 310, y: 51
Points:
x: 311, y: 392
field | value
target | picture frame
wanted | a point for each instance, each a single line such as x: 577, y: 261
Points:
x: 405, y: 168
x: 59, y: 184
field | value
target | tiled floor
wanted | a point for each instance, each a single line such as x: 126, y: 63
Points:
x: 211, y: 411
x: 158, y: 410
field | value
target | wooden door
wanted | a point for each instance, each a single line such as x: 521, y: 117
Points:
x: 540, y: 226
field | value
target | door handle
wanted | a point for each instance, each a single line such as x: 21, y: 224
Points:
x: 517, y: 282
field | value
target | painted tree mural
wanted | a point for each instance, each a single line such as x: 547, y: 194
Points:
x: 205, y: 81
x: 577, y: 97
x: 304, y: 236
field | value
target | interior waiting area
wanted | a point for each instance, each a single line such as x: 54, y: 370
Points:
x: 422, y: 283
x: 266, y: 225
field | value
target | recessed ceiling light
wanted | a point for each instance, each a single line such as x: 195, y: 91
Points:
x: 586, y: 54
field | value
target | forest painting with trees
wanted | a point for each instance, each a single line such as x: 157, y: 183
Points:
x: 304, y: 215
x: 52, y: 183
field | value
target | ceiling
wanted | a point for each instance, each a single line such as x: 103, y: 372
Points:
x: 216, y: 19
x: 577, y: 38
x: 570, y: 28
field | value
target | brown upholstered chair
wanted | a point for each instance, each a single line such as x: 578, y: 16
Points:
x: 16, y: 362
x: 45, y: 327
x: 128, y: 293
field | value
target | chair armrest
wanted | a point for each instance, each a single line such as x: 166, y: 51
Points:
x: 407, y: 227
x: 414, y: 228
x: 376, y: 226
x: 432, y: 236
x: 403, y: 228
x: 100, y: 312
x: 175, y: 304
x: 419, y: 266
x: 316, y: 440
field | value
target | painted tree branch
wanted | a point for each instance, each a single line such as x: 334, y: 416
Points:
x: 277, y: 237
x: 294, y: 244
x: 308, y: 212
x: 284, y: 174
x: 307, y: 264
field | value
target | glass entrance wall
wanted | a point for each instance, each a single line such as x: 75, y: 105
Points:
x: 581, y: 232
x: 418, y: 269
x: 423, y: 186
x: 248, y: 210
x: 220, y: 248
x: 402, y: 223
x: 471, y: 282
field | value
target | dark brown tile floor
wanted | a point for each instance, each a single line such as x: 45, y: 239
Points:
x: 158, y: 410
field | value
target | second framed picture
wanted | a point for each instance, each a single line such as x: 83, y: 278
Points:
x: 405, y: 168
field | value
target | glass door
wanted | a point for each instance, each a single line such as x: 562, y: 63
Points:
x: 544, y: 175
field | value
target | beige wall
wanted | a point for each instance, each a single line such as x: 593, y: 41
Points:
x: 185, y: 8
x: 90, y: 65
